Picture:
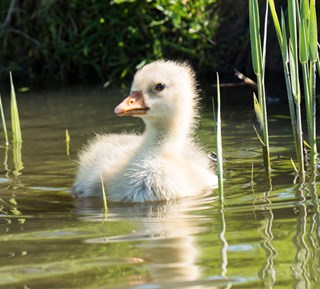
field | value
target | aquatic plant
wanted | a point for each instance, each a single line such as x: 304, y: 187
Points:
x: 15, y: 121
x: 67, y: 142
x: 308, y: 56
x: 258, y: 62
x: 219, y: 142
x: 293, y: 100
x: 4, y: 123
x: 302, y: 48
x: 105, y: 205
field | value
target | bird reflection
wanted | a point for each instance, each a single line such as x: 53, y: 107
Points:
x: 166, y: 234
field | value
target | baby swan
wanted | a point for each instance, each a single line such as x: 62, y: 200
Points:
x: 163, y: 163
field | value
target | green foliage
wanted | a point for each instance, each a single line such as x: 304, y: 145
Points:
x: 15, y: 120
x: 255, y: 37
x: 302, y: 21
x: 83, y: 40
x: 105, y: 204
x: 260, y: 104
x: 219, y: 142
x: 313, y: 32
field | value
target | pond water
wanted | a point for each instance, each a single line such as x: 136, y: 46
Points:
x: 258, y: 238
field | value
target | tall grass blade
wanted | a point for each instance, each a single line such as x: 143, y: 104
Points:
x: 293, y: 48
x: 255, y: 37
x: 295, y: 88
x: 4, y: 123
x: 300, y: 144
x: 312, y: 118
x: 303, y: 31
x: 257, y: 110
x: 105, y: 205
x: 15, y: 121
x: 275, y: 21
x: 307, y: 32
x: 214, y: 116
x: 284, y: 42
x: 259, y: 137
x: 314, y: 58
x: 290, y: 60
x: 219, y: 142
x: 264, y: 51
x: 67, y: 142
x: 294, y: 166
x: 258, y: 67
x: 294, y: 76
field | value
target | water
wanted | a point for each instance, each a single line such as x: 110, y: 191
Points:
x: 259, y: 238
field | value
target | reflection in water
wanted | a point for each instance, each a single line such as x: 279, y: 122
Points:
x: 315, y: 219
x: 267, y: 273
x: 5, y: 161
x: 306, y: 266
x: 224, y: 247
x: 170, y: 249
x: 302, y: 253
x: 17, y: 158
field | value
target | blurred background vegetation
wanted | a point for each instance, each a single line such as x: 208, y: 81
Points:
x: 99, y: 41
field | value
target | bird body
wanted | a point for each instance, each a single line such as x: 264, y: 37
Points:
x: 163, y: 163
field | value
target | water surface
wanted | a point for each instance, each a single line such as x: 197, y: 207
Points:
x: 258, y: 238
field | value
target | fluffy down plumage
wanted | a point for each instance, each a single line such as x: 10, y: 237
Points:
x: 164, y: 162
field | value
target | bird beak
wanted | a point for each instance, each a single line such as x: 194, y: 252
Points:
x: 133, y: 105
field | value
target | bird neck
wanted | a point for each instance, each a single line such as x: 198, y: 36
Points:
x: 166, y: 134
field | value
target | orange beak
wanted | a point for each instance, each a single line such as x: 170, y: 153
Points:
x: 133, y: 105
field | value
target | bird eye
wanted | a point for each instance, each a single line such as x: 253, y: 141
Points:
x: 160, y: 86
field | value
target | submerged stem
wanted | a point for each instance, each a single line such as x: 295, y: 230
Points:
x: 300, y: 143
x: 265, y: 131
x: 313, y: 135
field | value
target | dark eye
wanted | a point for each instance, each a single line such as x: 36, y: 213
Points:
x: 160, y: 86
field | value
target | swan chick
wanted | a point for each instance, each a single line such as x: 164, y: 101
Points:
x: 164, y: 162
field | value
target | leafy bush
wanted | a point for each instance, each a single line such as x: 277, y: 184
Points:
x: 75, y: 40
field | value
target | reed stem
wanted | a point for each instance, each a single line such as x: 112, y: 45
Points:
x: 258, y: 61
x: 313, y: 135
x: 15, y: 121
x: 105, y: 205
x: 219, y: 142
x: 67, y: 142
x: 265, y: 130
x: 291, y: 72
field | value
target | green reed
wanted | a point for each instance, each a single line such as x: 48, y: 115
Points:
x: 301, y: 47
x: 15, y: 121
x: 4, y: 123
x: 258, y: 61
x: 105, y: 205
x: 67, y: 142
x: 219, y: 141
x: 308, y: 56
